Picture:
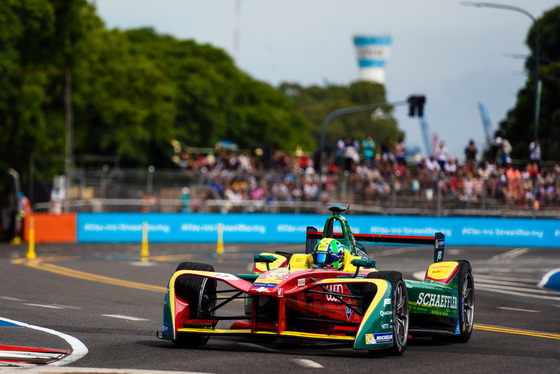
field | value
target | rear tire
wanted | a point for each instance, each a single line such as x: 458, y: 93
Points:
x: 200, y: 293
x: 400, y: 310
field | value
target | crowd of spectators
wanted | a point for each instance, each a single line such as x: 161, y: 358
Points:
x: 369, y: 173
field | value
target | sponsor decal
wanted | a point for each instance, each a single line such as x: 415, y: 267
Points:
x: 370, y: 339
x: 165, y: 328
x: 280, y: 292
x: 349, y: 313
x: 384, y: 313
x: 385, y: 326
x: 442, y: 270
x: 267, y: 285
x: 270, y: 280
x: 440, y: 243
x: 336, y: 288
x: 440, y: 301
x: 225, y: 276
x: 383, y: 338
x: 386, y: 302
x: 301, y: 282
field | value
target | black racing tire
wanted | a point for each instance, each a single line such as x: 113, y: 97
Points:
x: 401, y: 315
x: 466, y: 302
x: 200, y: 293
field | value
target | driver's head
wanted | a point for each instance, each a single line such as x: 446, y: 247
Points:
x: 328, y: 254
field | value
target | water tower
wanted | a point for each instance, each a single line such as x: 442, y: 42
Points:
x: 372, y: 53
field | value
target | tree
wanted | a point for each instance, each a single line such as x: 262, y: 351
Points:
x: 215, y: 100
x: 315, y: 103
x: 518, y: 127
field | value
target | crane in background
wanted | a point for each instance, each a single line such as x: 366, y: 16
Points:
x: 487, y: 126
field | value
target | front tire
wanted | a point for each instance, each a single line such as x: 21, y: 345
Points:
x: 200, y: 293
x: 400, y: 311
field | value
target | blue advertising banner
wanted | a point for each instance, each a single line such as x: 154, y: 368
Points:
x: 290, y: 228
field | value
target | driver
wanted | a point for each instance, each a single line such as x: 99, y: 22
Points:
x: 328, y: 254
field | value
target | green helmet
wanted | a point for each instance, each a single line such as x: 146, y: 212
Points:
x: 328, y: 254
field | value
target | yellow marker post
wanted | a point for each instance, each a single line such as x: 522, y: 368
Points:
x: 145, y: 252
x: 220, y: 247
x: 31, y: 255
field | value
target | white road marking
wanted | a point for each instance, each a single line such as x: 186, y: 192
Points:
x: 308, y: 363
x: 45, y: 306
x: 509, y: 255
x: 120, y: 316
x: 257, y: 346
x: 79, y: 350
x: 395, y: 251
x: 518, y: 310
x: 10, y: 298
x: 496, y: 282
x: 419, y: 275
x: 142, y: 263
x: 506, y: 292
x: 453, y: 252
x: 518, y: 287
x: 489, y: 277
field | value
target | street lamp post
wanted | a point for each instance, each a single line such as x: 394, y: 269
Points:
x: 343, y: 111
x: 537, y: 51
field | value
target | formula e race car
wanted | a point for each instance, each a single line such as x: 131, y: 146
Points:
x: 330, y: 293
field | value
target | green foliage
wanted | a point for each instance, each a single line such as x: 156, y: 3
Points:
x: 131, y: 92
x: 519, y: 125
x: 215, y: 100
x: 315, y: 103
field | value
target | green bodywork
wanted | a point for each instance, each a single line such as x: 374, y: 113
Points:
x: 433, y: 298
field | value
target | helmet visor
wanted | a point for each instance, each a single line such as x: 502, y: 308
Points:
x: 320, y: 257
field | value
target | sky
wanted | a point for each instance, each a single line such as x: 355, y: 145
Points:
x: 457, y: 56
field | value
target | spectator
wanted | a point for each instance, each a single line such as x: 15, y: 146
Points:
x: 400, y: 150
x: 471, y: 153
x: 186, y: 199
x: 340, y: 144
x: 401, y: 174
x: 351, y: 155
x: 310, y: 189
x: 24, y: 205
x: 368, y: 149
x: 451, y: 167
x: 504, y: 150
x: 535, y: 152
x: 442, y: 155
x: 431, y: 164
x: 386, y: 150
x: 24, y: 208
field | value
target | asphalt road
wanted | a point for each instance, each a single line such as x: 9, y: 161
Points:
x: 105, y: 304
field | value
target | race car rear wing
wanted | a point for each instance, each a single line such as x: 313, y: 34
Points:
x: 438, y: 240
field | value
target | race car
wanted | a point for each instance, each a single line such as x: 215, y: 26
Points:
x: 331, y: 293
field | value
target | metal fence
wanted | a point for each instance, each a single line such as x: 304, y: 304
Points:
x: 151, y: 190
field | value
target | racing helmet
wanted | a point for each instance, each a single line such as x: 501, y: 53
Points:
x: 328, y: 254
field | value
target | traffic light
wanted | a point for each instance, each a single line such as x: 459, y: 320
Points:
x: 416, y: 105
x: 421, y: 100
x: 411, y: 106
